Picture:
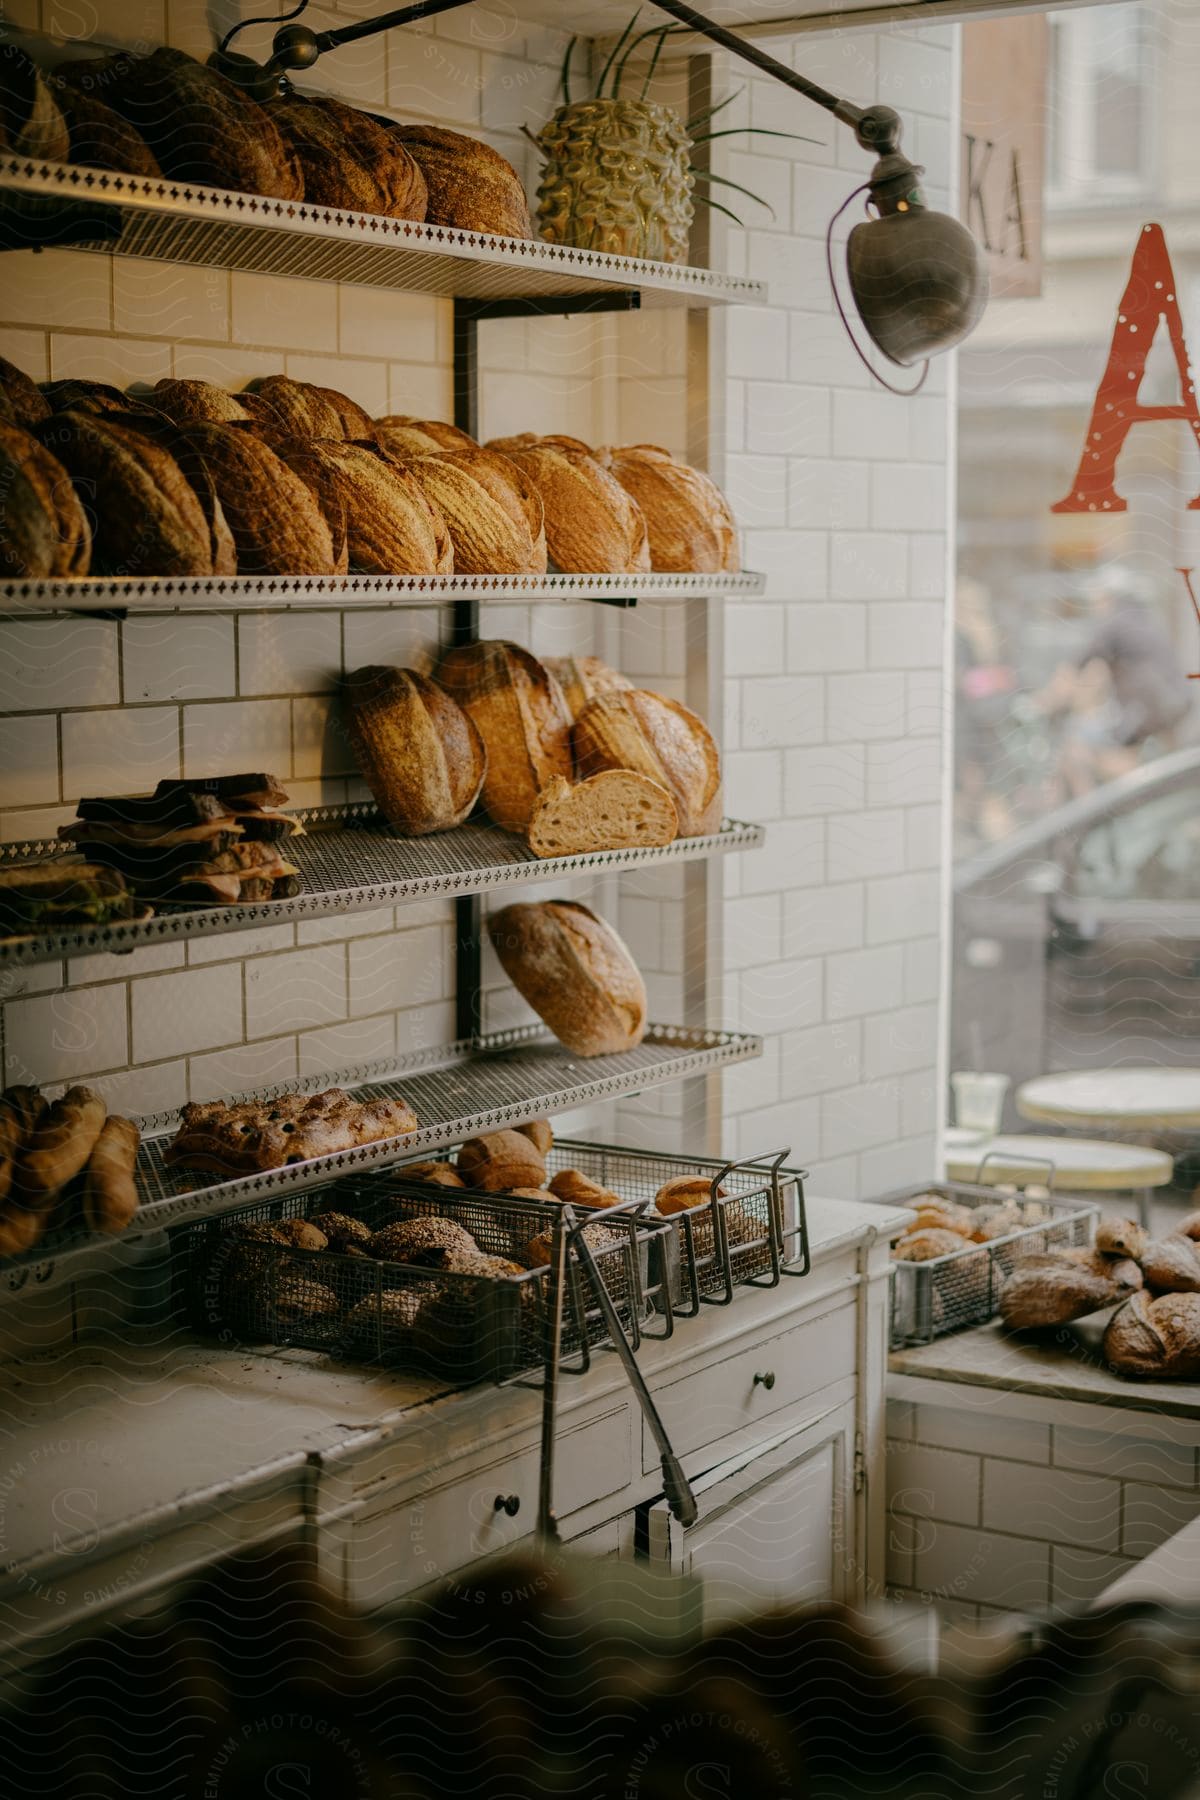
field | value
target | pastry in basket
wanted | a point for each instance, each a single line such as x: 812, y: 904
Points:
x: 1055, y: 1286
x: 501, y: 1161
x: 996, y: 1221
x: 1121, y: 1237
x: 299, y: 1300
x: 579, y: 1189
x: 244, y: 1137
x: 344, y: 1234
x: 426, y: 1242
x: 197, y: 842
x: 1156, y: 1338
x: 936, y: 1214
x: 539, y: 1250
x: 926, y: 1244
x: 450, y: 1316
x: 432, y: 1174
x: 385, y: 1321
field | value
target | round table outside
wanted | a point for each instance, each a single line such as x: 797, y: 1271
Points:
x: 1081, y: 1165
x: 1114, y: 1099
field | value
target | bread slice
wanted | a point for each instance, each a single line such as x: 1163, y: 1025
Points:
x: 660, y: 738
x: 615, y: 810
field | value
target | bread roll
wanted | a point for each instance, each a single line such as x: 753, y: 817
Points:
x: 581, y: 678
x: 522, y: 719
x: 500, y: 1161
x: 392, y: 528
x: 1053, y: 1287
x: 349, y: 159
x: 24, y: 404
x: 690, y: 526
x: 341, y: 1231
x: 615, y: 810
x: 1121, y: 1237
x: 494, y: 515
x: 659, y: 738
x: 591, y: 522
x: 21, y: 1108
x: 540, y: 1133
x: 426, y: 1242
x: 575, y: 972
x: 31, y: 120
x: 1171, y: 1265
x: 44, y: 532
x: 420, y: 754
x: 276, y: 523
x: 405, y: 437
x: 110, y: 1195
x: 1156, y: 1338
x: 578, y: 1189
x: 199, y: 126
x: 61, y: 1144
x: 469, y: 184
x: 144, y: 515
x: 432, y: 1174
x: 684, y: 1192
x: 937, y: 1214
x: 925, y: 1245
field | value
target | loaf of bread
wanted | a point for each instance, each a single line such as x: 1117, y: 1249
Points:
x: 683, y: 1192
x: 342, y: 1232
x: 349, y: 159
x: 1054, y: 1286
x: 44, y: 532
x: 581, y: 678
x: 144, y: 516
x: 21, y: 400
x: 1171, y: 1265
x: 188, y: 402
x: 690, y: 526
x: 60, y: 1145
x: 660, y: 738
x: 592, y: 523
x: 935, y: 1213
x: 501, y: 1161
x: 110, y: 1195
x: 615, y: 810
x: 160, y: 430
x: 405, y: 438
x: 426, y: 1242
x: 1189, y: 1225
x: 21, y: 1109
x: 495, y: 517
x: 469, y: 184
x: 96, y: 398
x: 31, y: 120
x: 575, y: 972
x: 99, y: 137
x: 927, y: 1243
x: 276, y: 523
x: 1121, y: 1237
x: 420, y: 754
x: 522, y: 719
x: 578, y: 1189
x: 540, y: 1133
x: 297, y: 409
x: 392, y: 527
x: 199, y: 126
x: 1155, y: 1338
x: 432, y: 1174
x: 357, y: 426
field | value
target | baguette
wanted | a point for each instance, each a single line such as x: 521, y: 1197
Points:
x: 659, y: 738
x: 110, y: 1196
x: 575, y: 972
x: 615, y: 810
x: 60, y: 1145
x: 420, y: 753
x: 521, y: 717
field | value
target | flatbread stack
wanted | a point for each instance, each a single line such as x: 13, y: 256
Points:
x: 219, y: 841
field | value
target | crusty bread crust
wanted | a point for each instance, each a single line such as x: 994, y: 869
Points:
x: 690, y: 526
x: 496, y: 519
x: 592, y: 522
x: 581, y: 678
x: 469, y: 184
x: 575, y: 972
x: 420, y: 753
x: 1156, y: 1338
x: 522, y: 719
x: 660, y: 738
x: 392, y: 527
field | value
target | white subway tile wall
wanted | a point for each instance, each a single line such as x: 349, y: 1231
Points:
x: 824, y: 687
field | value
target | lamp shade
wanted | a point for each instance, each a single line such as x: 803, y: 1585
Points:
x: 919, y: 282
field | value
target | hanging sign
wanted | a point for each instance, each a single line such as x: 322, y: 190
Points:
x: 1150, y: 297
x: 1004, y: 147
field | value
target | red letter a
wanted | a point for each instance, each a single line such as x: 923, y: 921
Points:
x: 1149, y: 297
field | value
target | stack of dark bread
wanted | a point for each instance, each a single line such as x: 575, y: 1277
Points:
x: 291, y: 478
x: 63, y: 1161
x: 579, y: 764
x: 198, y: 842
x: 1153, y: 1282
x: 167, y: 114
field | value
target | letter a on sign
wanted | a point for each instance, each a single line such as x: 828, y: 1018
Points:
x: 1149, y: 297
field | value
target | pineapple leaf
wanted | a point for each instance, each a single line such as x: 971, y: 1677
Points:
x: 724, y: 181
x: 566, y: 71
x: 710, y: 111
x: 658, y: 31
x: 754, y: 131
x: 707, y: 200
x: 614, y: 53
x: 658, y: 49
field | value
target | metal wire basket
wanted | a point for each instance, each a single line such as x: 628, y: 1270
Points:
x: 754, y: 1231
x: 948, y: 1293
x: 465, y: 1327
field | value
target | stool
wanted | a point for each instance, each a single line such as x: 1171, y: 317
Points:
x: 1081, y: 1166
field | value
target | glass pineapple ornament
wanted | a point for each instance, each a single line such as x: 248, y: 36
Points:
x: 618, y: 178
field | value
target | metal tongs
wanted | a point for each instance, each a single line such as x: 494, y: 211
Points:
x: 568, y: 1234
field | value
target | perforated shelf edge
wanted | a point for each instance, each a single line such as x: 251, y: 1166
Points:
x: 456, y: 1090
x: 232, y: 593
x: 351, y: 863
x: 188, y: 222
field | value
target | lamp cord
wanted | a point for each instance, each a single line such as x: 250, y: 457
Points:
x: 837, y: 300
x: 267, y: 19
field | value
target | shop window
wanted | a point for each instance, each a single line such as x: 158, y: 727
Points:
x: 1099, y: 104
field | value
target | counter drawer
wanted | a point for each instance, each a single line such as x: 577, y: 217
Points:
x: 751, y: 1384
x: 403, y: 1544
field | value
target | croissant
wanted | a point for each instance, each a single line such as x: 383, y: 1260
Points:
x: 1156, y: 1337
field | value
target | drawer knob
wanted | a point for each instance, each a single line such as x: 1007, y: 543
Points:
x: 767, y: 1380
x: 508, y: 1503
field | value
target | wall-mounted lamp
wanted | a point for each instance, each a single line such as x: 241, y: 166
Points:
x: 918, y: 277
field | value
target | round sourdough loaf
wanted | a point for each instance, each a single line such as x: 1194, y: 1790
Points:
x: 44, y: 531
x: 1156, y: 1338
x: 198, y: 124
x: 469, y: 184
x: 101, y: 138
x: 277, y: 525
x: 660, y: 738
x: 522, y: 719
x: 692, y: 530
x: 581, y: 678
x: 348, y: 159
x: 392, y: 527
x: 592, y: 523
x: 189, y: 402
x: 420, y: 753
x: 31, y: 120
x: 575, y: 972
x: 295, y: 408
x: 144, y: 514
x: 495, y: 515
x: 21, y: 400
x: 404, y: 438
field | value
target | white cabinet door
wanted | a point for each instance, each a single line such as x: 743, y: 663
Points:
x: 774, y: 1531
